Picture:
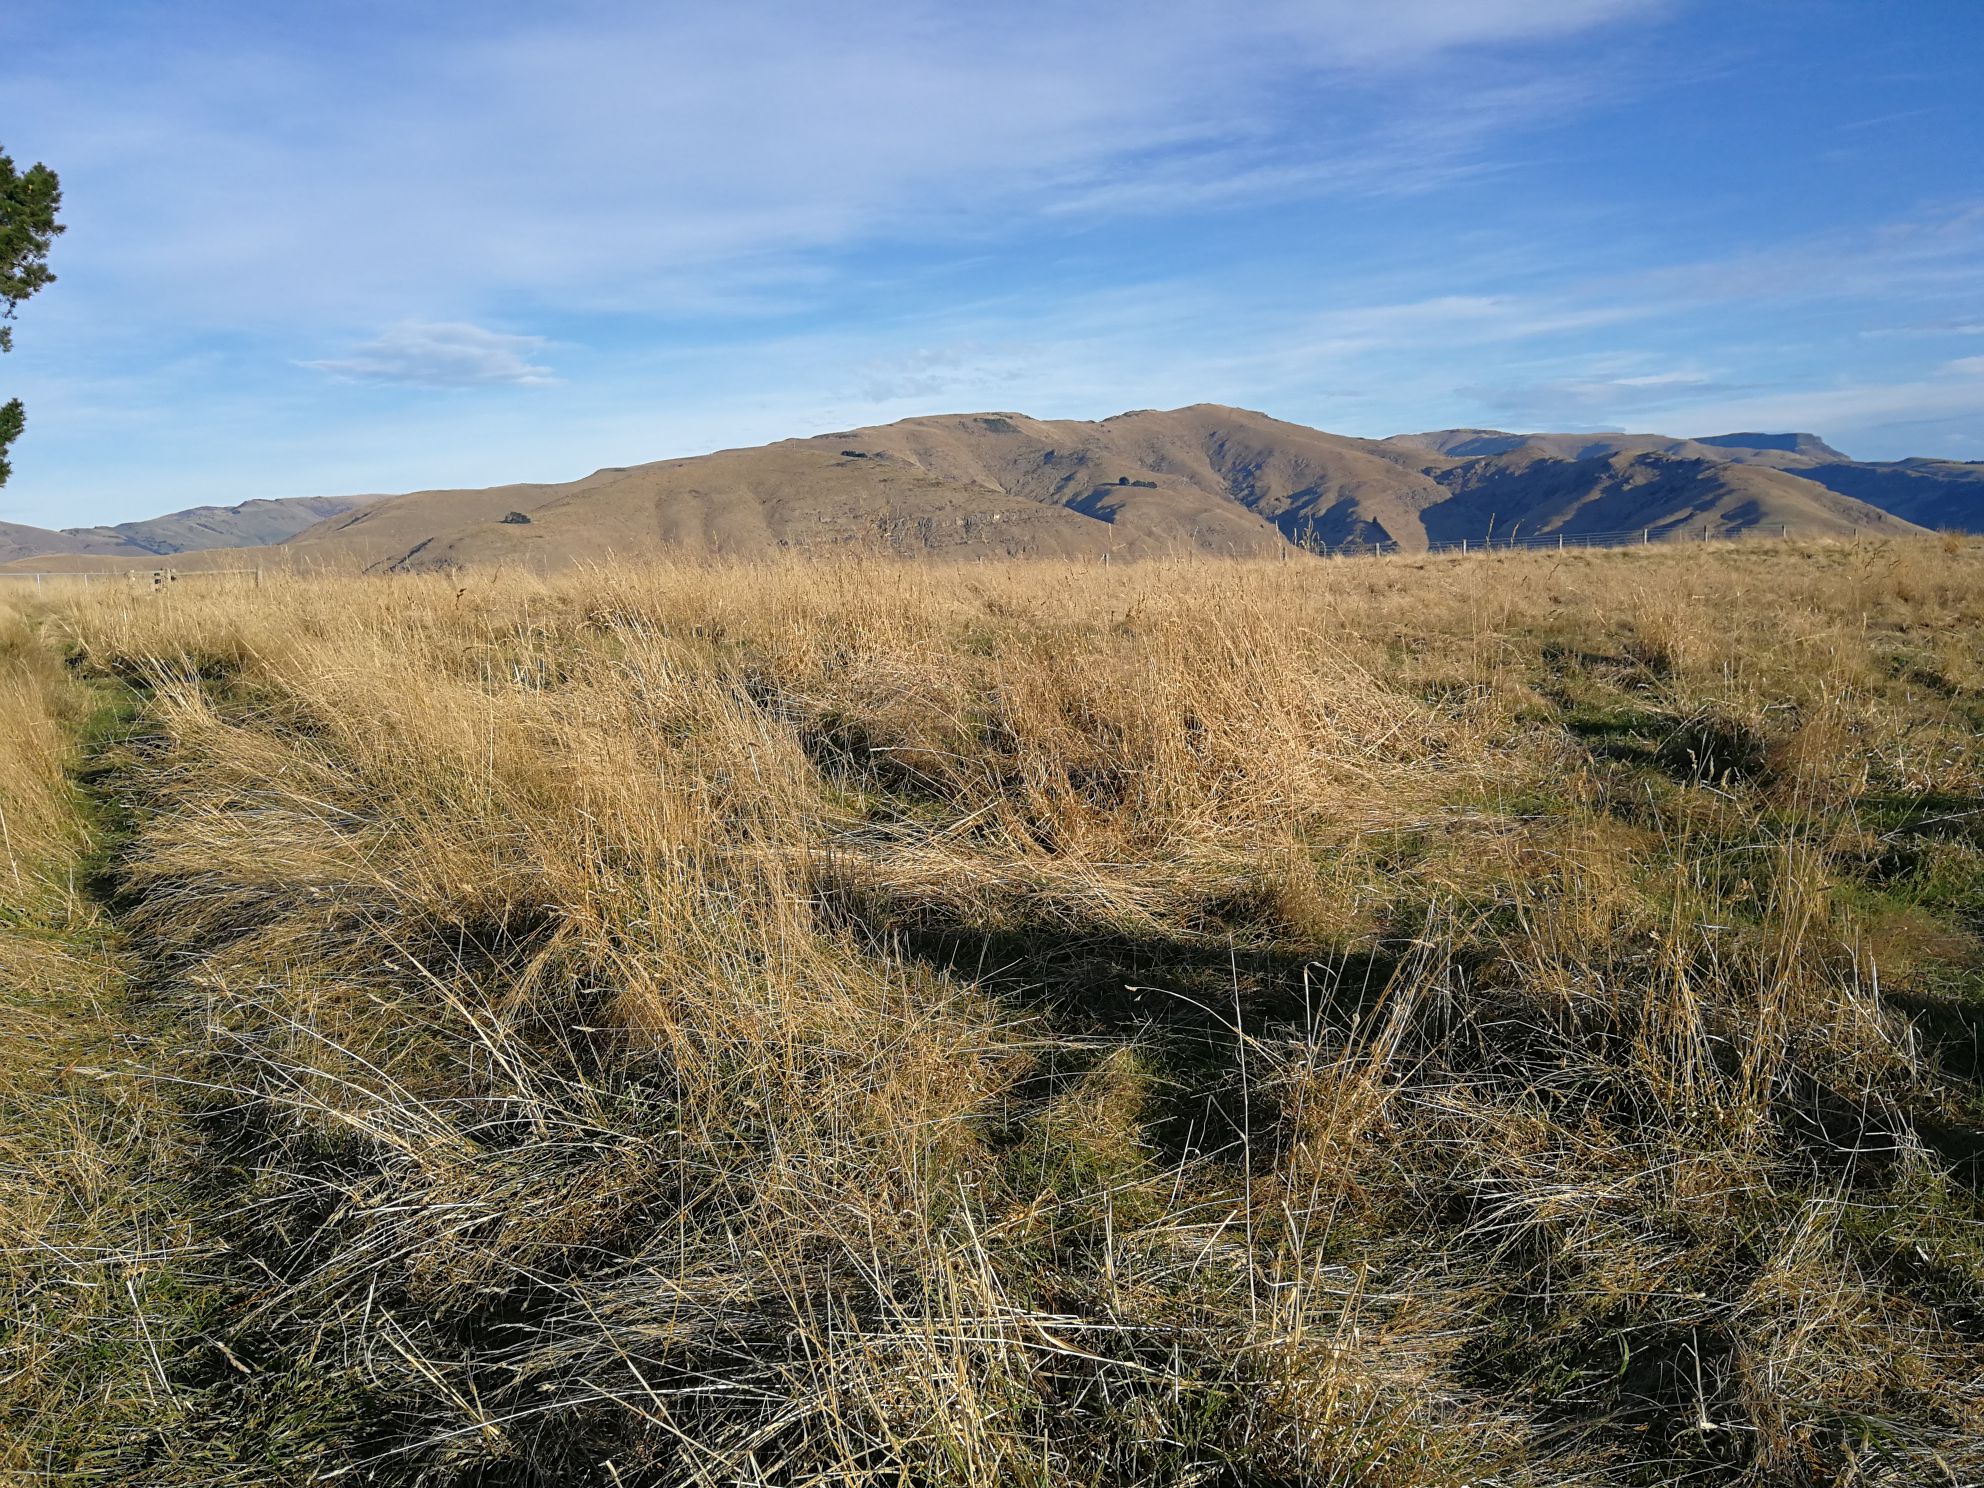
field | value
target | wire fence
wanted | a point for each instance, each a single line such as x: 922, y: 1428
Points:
x: 153, y: 578
x: 1517, y: 541
x: 1513, y: 541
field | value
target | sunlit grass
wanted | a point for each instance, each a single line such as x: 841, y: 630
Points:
x: 1410, y: 1022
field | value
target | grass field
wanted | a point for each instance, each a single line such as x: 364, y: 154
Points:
x: 1505, y: 1020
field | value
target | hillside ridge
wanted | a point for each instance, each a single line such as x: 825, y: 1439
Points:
x: 252, y: 523
x: 1207, y: 478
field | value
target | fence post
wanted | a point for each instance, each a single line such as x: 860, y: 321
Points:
x: 1646, y: 536
x: 1463, y: 545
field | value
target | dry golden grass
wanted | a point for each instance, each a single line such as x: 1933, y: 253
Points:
x: 90, y: 1230
x: 1506, y: 1020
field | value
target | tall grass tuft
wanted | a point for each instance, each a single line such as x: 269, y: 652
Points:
x: 1395, y: 1022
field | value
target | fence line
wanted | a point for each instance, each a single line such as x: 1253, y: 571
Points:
x: 159, y: 577
x: 1625, y: 538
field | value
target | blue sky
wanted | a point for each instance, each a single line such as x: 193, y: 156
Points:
x: 380, y: 246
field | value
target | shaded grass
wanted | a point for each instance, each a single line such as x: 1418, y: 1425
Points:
x: 1392, y: 1022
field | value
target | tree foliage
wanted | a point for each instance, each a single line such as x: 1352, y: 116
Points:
x: 13, y: 418
x: 29, y: 200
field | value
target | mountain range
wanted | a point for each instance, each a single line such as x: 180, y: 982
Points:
x: 1205, y: 478
x: 249, y: 524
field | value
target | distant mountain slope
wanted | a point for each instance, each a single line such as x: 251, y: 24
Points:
x: 1205, y: 478
x: 246, y: 524
x: 386, y: 530
x: 1200, y: 479
x: 1929, y: 493
x: 1785, y: 451
x: 1809, y: 446
x: 969, y: 485
x: 1473, y: 444
x: 1525, y: 494
x: 18, y: 541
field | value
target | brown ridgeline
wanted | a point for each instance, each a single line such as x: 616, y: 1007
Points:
x: 1205, y: 480
x: 1410, y: 1022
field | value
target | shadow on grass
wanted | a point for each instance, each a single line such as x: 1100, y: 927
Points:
x: 1185, y: 1000
x: 1694, y: 747
x: 1932, y: 814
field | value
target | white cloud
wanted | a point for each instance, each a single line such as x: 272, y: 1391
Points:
x: 1404, y: 31
x: 607, y: 158
x: 773, y: 215
x: 940, y: 372
x: 448, y: 355
x: 1957, y: 326
x: 1971, y: 366
x: 1575, y: 401
x: 1844, y: 413
x: 1930, y: 259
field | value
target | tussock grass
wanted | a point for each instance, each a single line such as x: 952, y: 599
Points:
x: 1395, y: 1022
x: 100, y: 1271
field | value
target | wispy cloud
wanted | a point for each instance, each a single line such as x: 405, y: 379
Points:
x: 1869, y: 405
x: 1572, y: 402
x: 1880, y: 119
x: 729, y: 224
x: 1944, y: 406
x: 450, y: 355
x: 1961, y: 325
x: 727, y: 145
x: 1919, y: 261
x: 935, y: 373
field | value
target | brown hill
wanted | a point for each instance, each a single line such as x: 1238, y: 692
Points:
x: 1526, y: 493
x: 246, y: 524
x: 1807, y: 446
x: 18, y: 541
x: 969, y: 485
x: 1784, y: 451
x: 1199, y: 479
x: 1928, y: 493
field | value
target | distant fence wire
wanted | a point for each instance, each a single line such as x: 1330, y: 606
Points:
x: 1517, y: 541
x: 151, y: 578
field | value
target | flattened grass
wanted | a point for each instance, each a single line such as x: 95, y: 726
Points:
x: 1369, y: 1022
